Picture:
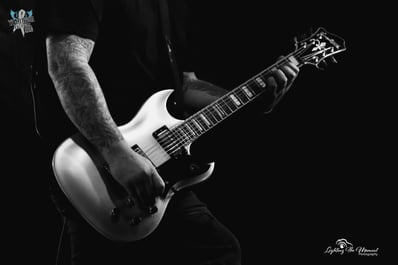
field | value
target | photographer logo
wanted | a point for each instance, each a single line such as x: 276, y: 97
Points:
x: 343, y: 246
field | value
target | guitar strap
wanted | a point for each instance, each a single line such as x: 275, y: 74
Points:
x: 166, y: 28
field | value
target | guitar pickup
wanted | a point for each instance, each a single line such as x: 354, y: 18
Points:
x: 161, y: 132
x: 165, y: 138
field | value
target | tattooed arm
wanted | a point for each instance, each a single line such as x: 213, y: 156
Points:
x: 79, y: 91
x: 84, y: 103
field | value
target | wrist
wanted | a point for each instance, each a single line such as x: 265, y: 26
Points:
x: 114, y: 151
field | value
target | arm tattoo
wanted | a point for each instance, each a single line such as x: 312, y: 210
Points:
x: 78, y: 89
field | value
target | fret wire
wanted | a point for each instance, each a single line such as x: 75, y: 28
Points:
x: 249, y: 90
x: 193, y: 128
x: 237, y: 98
x: 209, y: 114
x: 231, y: 103
x: 185, y: 132
x: 207, y: 111
x: 222, y: 103
x: 246, y: 98
x: 222, y: 112
x: 225, y: 106
x: 190, y: 131
x: 184, y: 137
x: 206, y: 119
x: 215, y: 113
x: 201, y: 121
x: 196, y: 124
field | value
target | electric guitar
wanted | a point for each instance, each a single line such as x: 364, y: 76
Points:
x: 84, y: 177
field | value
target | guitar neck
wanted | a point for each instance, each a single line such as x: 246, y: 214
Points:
x: 215, y: 113
x: 310, y: 51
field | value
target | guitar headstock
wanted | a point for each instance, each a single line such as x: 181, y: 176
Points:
x: 319, y: 46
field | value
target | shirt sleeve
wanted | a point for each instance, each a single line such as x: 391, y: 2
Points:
x: 78, y: 17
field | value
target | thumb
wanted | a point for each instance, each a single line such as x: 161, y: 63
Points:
x: 158, y: 183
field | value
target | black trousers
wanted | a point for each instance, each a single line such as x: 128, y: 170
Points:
x: 188, y: 234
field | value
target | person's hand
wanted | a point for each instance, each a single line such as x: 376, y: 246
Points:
x: 281, y: 78
x: 136, y: 174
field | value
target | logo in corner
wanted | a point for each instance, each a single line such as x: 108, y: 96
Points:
x: 21, y: 20
x: 343, y: 246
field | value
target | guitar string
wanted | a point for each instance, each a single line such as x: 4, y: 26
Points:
x: 213, y: 114
x: 209, y: 111
x: 179, y: 138
x: 184, y: 138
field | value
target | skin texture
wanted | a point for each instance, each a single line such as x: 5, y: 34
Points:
x: 83, y: 101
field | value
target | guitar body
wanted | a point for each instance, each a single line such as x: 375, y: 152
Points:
x: 83, y: 176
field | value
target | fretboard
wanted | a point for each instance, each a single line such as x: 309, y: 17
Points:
x: 210, y: 116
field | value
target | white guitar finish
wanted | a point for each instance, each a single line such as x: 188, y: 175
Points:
x: 81, y: 182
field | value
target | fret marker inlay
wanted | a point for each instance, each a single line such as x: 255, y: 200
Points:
x: 247, y: 91
x: 261, y: 82
x: 197, y: 125
x: 235, y: 100
x: 205, y: 119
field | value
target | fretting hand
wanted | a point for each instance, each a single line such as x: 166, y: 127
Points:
x: 281, y: 78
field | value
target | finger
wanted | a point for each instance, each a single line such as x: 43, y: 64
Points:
x: 289, y: 72
x: 280, y: 79
x: 149, y: 194
x: 272, y: 85
x: 293, y: 67
x: 158, y: 184
x: 289, y: 63
x: 290, y: 75
x: 154, y: 188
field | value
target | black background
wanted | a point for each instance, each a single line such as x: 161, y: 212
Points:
x: 320, y: 166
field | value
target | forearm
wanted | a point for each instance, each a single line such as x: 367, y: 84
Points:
x: 80, y: 94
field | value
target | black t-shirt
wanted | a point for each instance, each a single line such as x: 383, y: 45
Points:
x: 130, y: 58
